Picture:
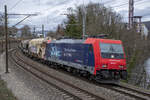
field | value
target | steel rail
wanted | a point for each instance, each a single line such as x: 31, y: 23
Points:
x: 133, y: 93
x: 19, y: 59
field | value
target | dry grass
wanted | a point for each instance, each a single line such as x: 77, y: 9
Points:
x: 5, y: 94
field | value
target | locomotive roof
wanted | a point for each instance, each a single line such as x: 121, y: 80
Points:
x: 88, y: 40
x: 93, y: 40
x: 38, y: 41
x: 110, y: 41
x: 68, y: 41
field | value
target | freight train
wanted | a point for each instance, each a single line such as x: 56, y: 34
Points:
x: 98, y: 59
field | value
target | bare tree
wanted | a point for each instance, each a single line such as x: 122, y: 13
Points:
x: 100, y: 20
x: 52, y: 34
x: 1, y: 25
x: 26, y: 31
x: 12, y: 31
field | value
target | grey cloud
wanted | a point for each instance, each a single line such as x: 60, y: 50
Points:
x: 57, y: 3
x: 14, y: 17
x: 55, y: 19
x: 51, y: 17
x: 142, y: 12
x: 55, y: 12
x: 123, y: 12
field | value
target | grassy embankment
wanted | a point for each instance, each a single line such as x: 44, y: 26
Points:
x: 5, y: 94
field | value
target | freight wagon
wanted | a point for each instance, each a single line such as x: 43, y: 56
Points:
x: 36, y: 47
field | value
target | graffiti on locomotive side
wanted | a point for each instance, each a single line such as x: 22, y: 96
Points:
x: 68, y: 54
x: 69, y: 50
x: 55, y: 52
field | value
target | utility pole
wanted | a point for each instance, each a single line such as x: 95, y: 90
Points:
x: 131, y: 13
x: 43, y: 30
x: 6, y: 38
x: 84, y: 22
x: 2, y: 45
x: 6, y: 32
x: 34, y: 29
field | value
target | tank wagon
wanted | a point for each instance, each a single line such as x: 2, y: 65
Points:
x: 103, y: 60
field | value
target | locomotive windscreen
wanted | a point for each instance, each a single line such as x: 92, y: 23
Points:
x: 109, y: 50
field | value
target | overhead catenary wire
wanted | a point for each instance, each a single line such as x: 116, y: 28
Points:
x: 139, y: 3
x: 146, y: 15
x: 121, y: 5
x: 125, y: 4
x: 106, y: 2
x: 15, y: 4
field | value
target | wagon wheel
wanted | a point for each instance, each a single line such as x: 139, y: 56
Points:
x: 90, y: 77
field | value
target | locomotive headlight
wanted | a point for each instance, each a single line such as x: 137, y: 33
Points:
x: 121, y: 66
x: 104, y: 66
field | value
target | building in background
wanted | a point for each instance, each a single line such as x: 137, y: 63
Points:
x: 144, y: 31
x: 146, y: 28
x: 143, y: 28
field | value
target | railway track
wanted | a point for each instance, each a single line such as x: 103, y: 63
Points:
x: 132, y: 91
x: 75, y: 93
x: 78, y: 94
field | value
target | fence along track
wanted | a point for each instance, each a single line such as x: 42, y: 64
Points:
x: 78, y: 94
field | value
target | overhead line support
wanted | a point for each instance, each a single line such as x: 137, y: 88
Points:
x: 6, y: 39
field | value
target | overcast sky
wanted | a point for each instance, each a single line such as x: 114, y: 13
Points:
x: 50, y: 11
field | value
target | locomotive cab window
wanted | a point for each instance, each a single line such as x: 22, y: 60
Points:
x: 109, y: 50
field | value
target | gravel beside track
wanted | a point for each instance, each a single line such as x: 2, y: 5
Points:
x: 92, y: 88
x: 58, y: 85
x: 73, y: 91
x: 134, y: 88
x: 26, y: 86
x: 130, y: 92
x: 134, y: 91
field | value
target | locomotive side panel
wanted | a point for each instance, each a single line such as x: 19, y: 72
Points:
x: 79, y: 56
